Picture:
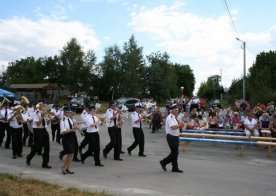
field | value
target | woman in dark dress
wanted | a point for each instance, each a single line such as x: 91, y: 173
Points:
x: 67, y: 129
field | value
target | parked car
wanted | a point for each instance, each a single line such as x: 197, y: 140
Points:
x: 128, y: 102
x: 215, y: 103
x: 77, y: 103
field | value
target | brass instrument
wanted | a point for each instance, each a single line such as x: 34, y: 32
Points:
x: 24, y: 101
x: 44, y: 110
x: 5, y: 101
x: 18, y: 110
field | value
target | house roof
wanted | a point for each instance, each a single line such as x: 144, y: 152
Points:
x: 34, y: 86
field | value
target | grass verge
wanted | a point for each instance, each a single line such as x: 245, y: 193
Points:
x: 11, y: 185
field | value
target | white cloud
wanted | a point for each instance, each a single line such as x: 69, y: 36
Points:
x: 22, y: 37
x: 206, y: 44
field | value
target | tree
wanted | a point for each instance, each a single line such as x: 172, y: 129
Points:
x: 210, y: 89
x: 185, y: 78
x: 161, y: 78
x: 132, y: 67
x: 111, y: 69
x: 72, y: 58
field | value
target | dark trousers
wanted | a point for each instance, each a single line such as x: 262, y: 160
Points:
x: 139, y: 139
x: 85, y: 140
x: 119, y: 130
x: 16, y: 141
x: 94, y: 146
x: 56, y: 128
x: 173, y: 142
x: 114, y: 142
x: 76, y: 148
x: 5, y: 127
x: 41, y: 140
x: 26, y: 133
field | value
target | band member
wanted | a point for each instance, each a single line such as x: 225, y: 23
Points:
x: 26, y: 131
x: 41, y: 136
x: 120, y: 117
x: 139, y: 139
x: 62, y: 153
x: 93, y: 136
x: 4, y: 124
x: 67, y: 130
x: 85, y: 140
x: 111, y: 123
x: 172, y: 130
x: 30, y: 111
x: 16, y: 120
x: 55, y: 124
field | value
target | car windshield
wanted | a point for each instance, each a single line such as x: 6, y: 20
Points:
x: 77, y: 100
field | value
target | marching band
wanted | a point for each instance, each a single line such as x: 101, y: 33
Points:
x: 24, y: 121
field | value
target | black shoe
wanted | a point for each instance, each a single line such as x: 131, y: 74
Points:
x: 19, y: 155
x: 60, y: 155
x: 99, y: 164
x: 118, y: 159
x: 46, y: 166
x: 104, y: 155
x: 177, y: 170
x: 7, y: 147
x: 76, y: 160
x: 122, y: 152
x: 163, y: 166
x: 69, y: 172
x: 129, y: 152
x: 142, y: 155
x: 14, y: 156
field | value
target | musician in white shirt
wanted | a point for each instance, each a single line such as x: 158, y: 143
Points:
x: 111, y: 123
x: 139, y: 138
x: 41, y: 136
x: 93, y: 123
x: 67, y: 130
x: 172, y: 130
x: 16, y: 120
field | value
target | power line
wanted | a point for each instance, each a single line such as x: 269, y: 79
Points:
x: 232, y: 22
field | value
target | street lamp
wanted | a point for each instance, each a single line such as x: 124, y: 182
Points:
x: 244, y: 68
x: 182, y: 89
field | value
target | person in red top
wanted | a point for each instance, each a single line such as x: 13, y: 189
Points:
x: 201, y: 103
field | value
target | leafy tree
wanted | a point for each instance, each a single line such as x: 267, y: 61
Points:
x: 132, y: 67
x: 111, y: 69
x: 161, y: 78
x: 185, y: 78
x: 72, y: 58
x: 210, y: 89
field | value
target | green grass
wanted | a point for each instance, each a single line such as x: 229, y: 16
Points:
x: 11, y: 185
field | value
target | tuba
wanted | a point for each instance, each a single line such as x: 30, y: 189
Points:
x: 24, y: 101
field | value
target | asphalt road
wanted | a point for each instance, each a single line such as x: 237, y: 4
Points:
x: 209, y: 169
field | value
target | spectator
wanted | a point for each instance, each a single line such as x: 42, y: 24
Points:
x: 265, y: 126
x: 236, y: 121
x: 273, y: 128
x: 251, y: 125
x: 203, y: 123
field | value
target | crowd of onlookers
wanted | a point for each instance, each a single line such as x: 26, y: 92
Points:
x: 258, y: 120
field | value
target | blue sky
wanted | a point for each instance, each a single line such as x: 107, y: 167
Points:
x: 194, y: 32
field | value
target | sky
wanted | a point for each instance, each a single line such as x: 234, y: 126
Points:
x: 199, y: 33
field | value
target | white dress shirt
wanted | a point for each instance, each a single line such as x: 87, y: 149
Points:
x: 134, y: 117
x: 170, y: 122
x: 89, y: 121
